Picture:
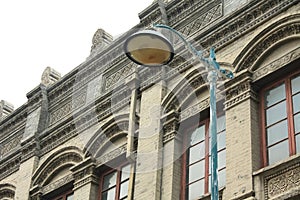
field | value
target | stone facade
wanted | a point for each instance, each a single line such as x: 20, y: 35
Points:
x: 109, y: 111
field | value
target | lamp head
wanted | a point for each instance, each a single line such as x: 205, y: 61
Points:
x: 149, y: 48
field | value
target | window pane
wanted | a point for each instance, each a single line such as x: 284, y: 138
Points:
x: 277, y: 132
x: 275, y: 95
x: 298, y: 143
x: 221, y: 140
x: 297, y: 123
x: 276, y: 113
x: 109, y: 180
x: 109, y: 195
x: 221, y: 159
x: 196, y: 171
x: 198, y: 135
x: 125, y: 173
x: 196, y: 152
x: 222, y: 178
x: 296, y: 103
x: 70, y: 197
x: 296, y: 85
x: 195, y: 190
x: 278, y: 152
x: 124, y: 189
x: 221, y: 123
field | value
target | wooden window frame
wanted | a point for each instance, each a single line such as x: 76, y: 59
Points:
x: 63, y: 195
x: 118, y: 181
x: 186, y: 147
x: 286, y: 80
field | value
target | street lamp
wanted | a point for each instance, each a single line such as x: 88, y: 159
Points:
x: 151, y: 48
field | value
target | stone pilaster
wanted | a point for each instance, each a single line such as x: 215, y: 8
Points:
x: 149, y: 151
x: 242, y: 138
x: 86, y: 182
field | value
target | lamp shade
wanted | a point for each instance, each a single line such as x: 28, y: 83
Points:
x: 149, y: 48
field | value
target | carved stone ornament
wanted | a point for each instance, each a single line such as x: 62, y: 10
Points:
x: 282, y: 182
x: 50, y: 76
x: 277, y: 64
x: 259, y: 45
x: 63, y: 157
x: 7, y: 191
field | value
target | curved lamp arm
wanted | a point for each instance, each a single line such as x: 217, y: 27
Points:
x: 211, y: 61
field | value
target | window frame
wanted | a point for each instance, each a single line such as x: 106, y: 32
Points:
x: 63, y: 195
x: 118, y: 181
x: 286, y: 80
x: 185, y: 154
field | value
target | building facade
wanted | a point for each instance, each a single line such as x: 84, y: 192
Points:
x: 111, y: 129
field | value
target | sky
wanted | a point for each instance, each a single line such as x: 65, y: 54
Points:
x: 36, y: 34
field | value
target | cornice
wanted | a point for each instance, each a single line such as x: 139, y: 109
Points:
x: 232, y: 27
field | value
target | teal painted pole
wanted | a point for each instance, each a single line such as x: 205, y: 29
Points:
x: 212, y: 79
x: 214, y: 70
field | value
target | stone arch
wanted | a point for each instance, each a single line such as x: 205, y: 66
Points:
x: 274, y: 35
x: 60, y: 160
x: 113, y: 131
x: 7, y: 191
x: 182, y: 94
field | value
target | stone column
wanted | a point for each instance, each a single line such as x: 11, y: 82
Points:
x: 149, y: 151
x: 242, y: 138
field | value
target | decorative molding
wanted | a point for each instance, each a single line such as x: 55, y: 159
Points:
x: 111, y: 155
x: 203, y: 20
x: 170, y: 125
x: 277, y: 64
x: 246, y: 20
x: 7, y: 146
x: 57, y: 184
x: 194, y: 109
x: 259, y: 48
x: 240, y: 91
x: 7, y: 191
x: 117, y: 76
x: 63, y: 157
x: 282, y: 181
x: 104, y: 136
x: 10, y: 166
x: 68, y: 108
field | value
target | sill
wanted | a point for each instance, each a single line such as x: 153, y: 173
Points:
x: 207, y: 195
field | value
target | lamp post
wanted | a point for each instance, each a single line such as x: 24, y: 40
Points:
x: 151, y: 48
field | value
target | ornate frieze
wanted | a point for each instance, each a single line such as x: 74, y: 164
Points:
x: 183, y: 9
x: 194, y: 109
x: 248, y: 19
x: 117, y: 76
x: 68, y: 158
x: 240, y: 91
x: 203, y: 20
x: 112, y: 155
x: 273, y: 38
x: 277, y: 64
x: 283, y: 181
x: 170, y: 126
x: 105, y: 136
x: 10, y: 166
x: 68, y: 108
x: 10, y: 145
x: 57, y: 184
x: 57, y: 137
